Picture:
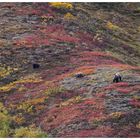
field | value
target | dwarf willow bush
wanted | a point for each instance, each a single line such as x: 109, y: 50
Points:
x: 111, y: 26
x: 138, y: 125
x: 69, y: 16
x: 12, y: 85
x: 7, y: 131
x: 61, y: 5
x: 5, y: 71
x: 71, y: 101
x: 19, y: 119
x: 116, y: 115
x: 4, y: 122
x: 29, y: 132
x: 52, y: 91
x: 4, y: 125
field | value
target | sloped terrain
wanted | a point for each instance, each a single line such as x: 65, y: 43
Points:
x: 95, y: 39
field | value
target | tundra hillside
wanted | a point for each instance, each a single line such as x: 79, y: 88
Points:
x: 60, y: 40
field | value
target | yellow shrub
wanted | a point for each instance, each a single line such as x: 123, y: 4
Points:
x: 7, y: 87
x: 21, y: 132
x: 71, y: 101
x: 97, y: 120
x: 28, y: 79
x: 138, y: 125
x: 4, y: 122
x: 12, y: 85
x: 116, y: 114
x: 28, y: 108
x: 23, y: 106
x: 5, y: 71
x: 28, y: 132
x: 21, y: 88
x: 137, y: 97
x: 69, y: 16
x: 28, y: 105
x: 111, y: 26
x: 59, y: 5
x: 36, y: 101
x: 53, y: 90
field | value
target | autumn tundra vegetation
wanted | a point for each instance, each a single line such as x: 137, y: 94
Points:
x: 57, y: 64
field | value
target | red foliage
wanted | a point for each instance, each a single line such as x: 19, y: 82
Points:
x: 133, y: 135
x: 85, y: 37
x: 123, y: 90
x: 136, y: 87
x: 121, y: 84
x: 15, y: 98
x: 46, y: 36
x: 32, y: 41
x: 129, y: 131
x: 93, y: 59
x: 135, y: 102
x: 116, y: 85
x: 27, y: 11
x: 88, y: 109
x: 91, y: 54
x: 62, y: 116
x: 69, y: 94
x: 124, y: 66
x: 57, y: 33
x: 92, y: 108
x: 59, y: 73
x: 100, y: 95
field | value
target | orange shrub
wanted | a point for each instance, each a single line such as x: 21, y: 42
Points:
x: 36, y: 101
x: 86, y: 70
x: 19, y: 119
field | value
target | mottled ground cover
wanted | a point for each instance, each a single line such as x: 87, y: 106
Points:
x: 50, y: 101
